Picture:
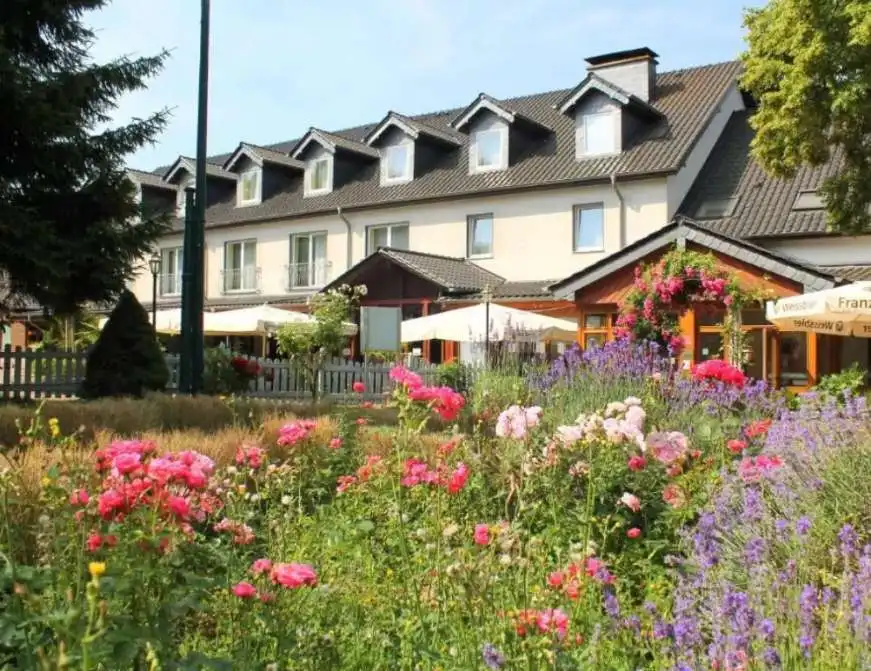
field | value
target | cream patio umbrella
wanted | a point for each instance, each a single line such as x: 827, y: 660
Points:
x: 469, y: 324
x: 168, y: 321
x: 842, y: 311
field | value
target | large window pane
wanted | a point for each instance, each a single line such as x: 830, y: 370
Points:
x: 481, y: 235
x: 399, y: 237
x: 397, y: 162
x: 589, y: 228
x: 599, y: 133
x: 489, y: 144
x: 378, y: 238
x: 793, y: 360
x: 301, y: 249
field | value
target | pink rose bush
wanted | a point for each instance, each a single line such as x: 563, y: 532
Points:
x: 516, y: 421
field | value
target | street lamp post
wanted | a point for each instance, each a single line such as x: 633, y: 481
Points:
x: 487, y: 295
x: 154, y: 264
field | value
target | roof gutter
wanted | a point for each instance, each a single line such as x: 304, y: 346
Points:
x: 350, y: 247
x: 619, y: 194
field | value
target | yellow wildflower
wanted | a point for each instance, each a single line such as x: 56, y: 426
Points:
x: 54, y: 427
x: 241, y: 488
x: 97, y: 568
x: 46, y: 481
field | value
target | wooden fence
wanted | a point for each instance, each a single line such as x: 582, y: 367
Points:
x: 35, y: 375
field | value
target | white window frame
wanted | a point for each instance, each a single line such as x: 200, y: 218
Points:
x: 370, y: 232
x: 244, y: 244
x: 164, y: 266
x: 311, y: 171
x: 311, y: 261
x: 500, y: 164
x: 576, y: 227
x: 471, y: 221
x: 181, y: 202
x: 586, y: 118
x: 258, y: 187
x: 407, y: 167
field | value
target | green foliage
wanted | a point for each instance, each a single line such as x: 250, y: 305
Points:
x: 127, y: 360
x: 74, y: 333
x: 807, y: 65
x: 838, y: 385
x: 222, y: 373
x: 310, y: 344
x: 456, y: 375
x: 71, y: 226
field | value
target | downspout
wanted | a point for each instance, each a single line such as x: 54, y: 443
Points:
x: 619, y: 195
x: 350, y: 249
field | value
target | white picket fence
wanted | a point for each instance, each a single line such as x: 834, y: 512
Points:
x: 35, y: 375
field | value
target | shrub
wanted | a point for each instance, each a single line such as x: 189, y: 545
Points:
x: 126, y: 360
x: 224, y: 373
x: 846, y: 383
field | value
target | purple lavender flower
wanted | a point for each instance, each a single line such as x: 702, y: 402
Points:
x: 611, y: 605
x: 754, y: 550
x: 802, y: 526
x: 771, y: 658
x: 808, y: 602
x: 493, y: 659
x: 849, y: 540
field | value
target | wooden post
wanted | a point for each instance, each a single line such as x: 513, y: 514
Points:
x: 581, y: 317
x: 812, y: 359
x: 424, y: 311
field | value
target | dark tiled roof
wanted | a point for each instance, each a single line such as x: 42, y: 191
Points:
x: 265, y: 155
x: 150, y: 179
x: 443, y: 134
x: 341, y: 142
x: 240, y: 301
x: 452, y: 273
x: 849, y: 273
x: 213, y: 167
x: 686, y: 98
x: 764, y: 206
x: 514, y: 290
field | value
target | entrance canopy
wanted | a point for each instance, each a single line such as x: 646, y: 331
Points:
x: 842, y: 311
x: 469, y: 324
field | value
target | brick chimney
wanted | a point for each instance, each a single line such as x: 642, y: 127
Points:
x: 633, y: 70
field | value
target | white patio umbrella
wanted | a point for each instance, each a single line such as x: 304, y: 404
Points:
x: 842, y: 311
x: 168, y: 321
x: 257, y: 320
x: 469, y: 324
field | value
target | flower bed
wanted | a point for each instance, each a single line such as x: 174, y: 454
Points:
x: 619, y: 515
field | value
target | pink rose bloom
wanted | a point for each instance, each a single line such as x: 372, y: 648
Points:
x: 126, y: 462
x: 553, y: 619
x: 358, y: 387
x: 482, y: 534
x: 674, y: 496
x: 94, y: 542
x: 634, y: 532
x: 335, y: 443
x: 458, y: 478
x: 261, y: 566
x: 631, y: 501
x: 79, y: 498
x: 292, y: 576
x: 180, y: 507
x: 404, y: 377
x: 244, y: 590
x: 636, y: 463
x: 668, y: 447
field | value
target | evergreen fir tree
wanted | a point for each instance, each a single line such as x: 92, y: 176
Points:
x: 127, y: 360
x: 70, y: 223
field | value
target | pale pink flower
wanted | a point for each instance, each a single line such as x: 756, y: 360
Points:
x: 631, y: 501
x: 259, y: 566
x: 668, y: 447
x: 292, y: 576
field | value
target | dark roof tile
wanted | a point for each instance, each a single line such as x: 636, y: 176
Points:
x: 686, y: 98
x: 764, y: 204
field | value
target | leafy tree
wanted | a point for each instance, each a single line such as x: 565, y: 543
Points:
x: 808, y: 65
x: 127, y: 359
x: 75, y: 332
x: 71, y: 227
x: 309, y: 344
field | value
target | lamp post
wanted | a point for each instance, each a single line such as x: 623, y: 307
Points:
x: 487, y: 295
x: 193, y: 283
x: 154, y: 264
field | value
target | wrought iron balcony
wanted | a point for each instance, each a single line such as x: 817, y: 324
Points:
x: 240, y: 280
x: 308, y: 275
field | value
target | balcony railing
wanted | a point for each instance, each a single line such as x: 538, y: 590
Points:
x: 170, y: 285
x: 308, y: 275
x: 240, y: 280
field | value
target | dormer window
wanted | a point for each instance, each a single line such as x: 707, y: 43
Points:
x: 397, y: 163
x: 249, y: 189
x: 181, y: 202
x: 599, y: 134
x: 489, y: 149
x: 318, y: 177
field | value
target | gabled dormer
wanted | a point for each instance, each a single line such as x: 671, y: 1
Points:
x: 182, y: 175
x: 497, y: 134
x: 330, y: 160
x: 261, y: 172
x: 613, y: 102
x: 406, y: 147
x: 153, y: 194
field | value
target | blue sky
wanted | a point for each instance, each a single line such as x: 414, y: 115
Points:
x: 281, y: 66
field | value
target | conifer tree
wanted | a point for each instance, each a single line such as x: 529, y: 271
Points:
x: 70, y: 225
x: 126, y: 360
